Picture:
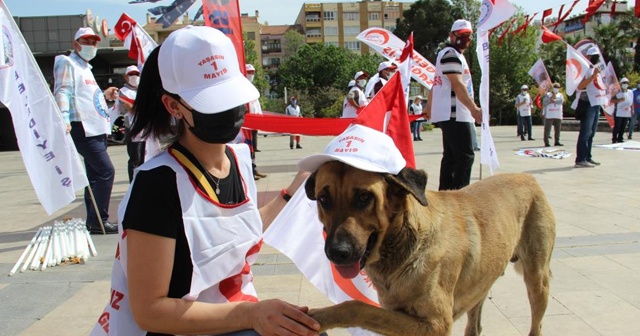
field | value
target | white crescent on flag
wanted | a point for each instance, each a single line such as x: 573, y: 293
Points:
x: 576, y: 68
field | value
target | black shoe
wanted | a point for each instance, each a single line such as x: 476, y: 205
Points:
x: 259, y: 174
x: 257, y: 150
x: 419, y: 139
x: 109, y: 228
x: 558, y: 144
x: 614, y: 141
x: 298, y: 146
x: 532, y: 139
x: 547, y: 145
x: 522, y: 138
x: 629, y: 137
x: 593, y: 162
x: 291, y: 146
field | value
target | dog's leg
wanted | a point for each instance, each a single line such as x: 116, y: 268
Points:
x: 382, y: 321
x: 474, y: 317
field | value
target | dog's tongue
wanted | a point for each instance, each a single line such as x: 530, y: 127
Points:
x: 348, y: 271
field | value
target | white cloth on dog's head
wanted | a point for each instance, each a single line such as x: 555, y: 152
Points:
x: 361, y: 147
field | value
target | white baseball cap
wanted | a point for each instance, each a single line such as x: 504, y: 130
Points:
x: 624, y: 80
x: 131, y: 68
x: 418, y: 97
x: 86, y: 32
x: 249, y: 68
x: 200, y: 64
x: 351, y: 83
x: 361, y: 147
x: 461, y: 26
x: 592, y: 51
x: 386, y: 65
x: 524, y: 87
x: 361, y: 73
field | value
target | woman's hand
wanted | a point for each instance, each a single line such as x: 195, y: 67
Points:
x: 275, y: 317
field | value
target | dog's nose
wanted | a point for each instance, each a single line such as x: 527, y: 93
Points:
x: 340, y: 253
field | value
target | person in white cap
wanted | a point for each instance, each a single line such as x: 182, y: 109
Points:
x: 254, y: 108
x: 293, y: 109
x: 85, y: 114
x: 190, y: 226
x: 623, y: 111
x: 451, y: 105
x: 355, y: 99
x: 376, y: 82
x: 592, y: 95
x: 124, y: 106
x: 552, y: 111
x: 524, y: 104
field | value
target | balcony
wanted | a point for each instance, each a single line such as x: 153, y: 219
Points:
x: 267, y: 50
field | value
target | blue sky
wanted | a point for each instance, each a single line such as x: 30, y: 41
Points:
x: 272, y: 11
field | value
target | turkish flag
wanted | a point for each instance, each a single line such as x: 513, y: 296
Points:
x: 546, y: 13
x: 124, y: 26
x: 549, y: 36
x: 592, y: 8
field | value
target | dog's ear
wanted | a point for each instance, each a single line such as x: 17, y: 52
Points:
x: 310, y: 187
x: 414, y: 181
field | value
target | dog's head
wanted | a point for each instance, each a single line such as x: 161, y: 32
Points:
x: 357, y: 209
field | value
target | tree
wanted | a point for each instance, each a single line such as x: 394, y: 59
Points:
x: 430, y: 21
x: 613, y: 43
x: 251, y: 57
x: 293, y: 40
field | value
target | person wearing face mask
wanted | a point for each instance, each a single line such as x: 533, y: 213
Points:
x: 451, y: 105
x: 85, y: 114
x: 190, y: 226
x: 524, y: 105
x: 356, y: 98
x: 124, y: 106
x: 377, y: 81
x: 552, y: 111
x: 293, y: 109
x: 635, y: 111
x: 623, y: 111
x: 592, y: 93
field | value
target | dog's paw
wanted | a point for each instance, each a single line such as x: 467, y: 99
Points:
x: 325, y: 317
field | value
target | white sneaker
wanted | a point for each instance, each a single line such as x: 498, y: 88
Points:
x: 583, y: 164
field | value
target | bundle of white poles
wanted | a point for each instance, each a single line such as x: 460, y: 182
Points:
x: 64, y: 242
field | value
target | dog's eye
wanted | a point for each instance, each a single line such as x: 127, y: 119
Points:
x: 324, y: 200
x: 363, y: 198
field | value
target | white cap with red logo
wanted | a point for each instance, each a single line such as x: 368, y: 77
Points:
x: 131, y: 69
x: 86, y: 32
x: 461, y: 26
x: 249, y: 68
x: 361, y: 147
x: 200, y: 64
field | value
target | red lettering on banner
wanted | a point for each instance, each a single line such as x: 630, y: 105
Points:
x: 103, y: 321
x: 90, y: 82
x: 115, y: 298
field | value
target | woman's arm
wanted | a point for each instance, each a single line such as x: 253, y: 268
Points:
x: 149, y: 265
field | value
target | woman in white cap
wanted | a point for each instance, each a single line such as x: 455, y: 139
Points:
x: 189, y: 225
x: 624, y: 105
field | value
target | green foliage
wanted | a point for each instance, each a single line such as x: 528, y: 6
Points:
x: 251, y: 57
x: 430, y: 21
x: 293, y: 41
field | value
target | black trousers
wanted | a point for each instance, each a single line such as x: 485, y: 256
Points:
x: 136, y: 151
x: 457, y: 155
x: 619, y: 126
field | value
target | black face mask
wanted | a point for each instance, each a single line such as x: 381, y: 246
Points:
x: 594, y: 59
x: 218, y: 128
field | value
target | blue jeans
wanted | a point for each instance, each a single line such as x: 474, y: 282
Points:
x: 415, y: 129
x: 632, y: 124
x: 588, y: 128
x: 99, y: 169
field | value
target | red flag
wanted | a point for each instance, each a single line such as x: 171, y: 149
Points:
x: 387, y: 113
x: 225, y: 16
x: 527, y: 21
x: 637, y: 8
x: 537, y: 100
x: 124, y: 26
x: 504, y: 33
x: 592, y: 8
x: 548, y: 36
x: 613, y: 8
x: 546, y: 13
x: 561, y: 17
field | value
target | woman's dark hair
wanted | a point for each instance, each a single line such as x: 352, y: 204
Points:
x: 151, y: 117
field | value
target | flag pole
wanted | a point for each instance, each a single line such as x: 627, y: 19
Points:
x: 95, y: 207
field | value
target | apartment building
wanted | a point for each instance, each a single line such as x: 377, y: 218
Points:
x: 575, y: 27
x: 338, y: 23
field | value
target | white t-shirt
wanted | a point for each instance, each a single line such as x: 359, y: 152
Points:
x: 624, y: 107
x: 524, y: 110
x: 293, y: 110
x: 349, y: 111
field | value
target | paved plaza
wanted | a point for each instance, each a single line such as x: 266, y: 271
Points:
x: 596, y: 263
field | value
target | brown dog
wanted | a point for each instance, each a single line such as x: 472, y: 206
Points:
x: 432, y: 256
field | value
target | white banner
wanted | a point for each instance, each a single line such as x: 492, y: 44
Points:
x: 47, y: 150
x: 297, y: 232
x: 576, y: 68
x: 390, y: 46
x: 492, y: 13
x: 539, y: 73
x: 612, y: 87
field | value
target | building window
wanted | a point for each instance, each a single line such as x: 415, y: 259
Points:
x: 335, y: 44
x: 329, y: 16
x: 313, y: 17
x: 353, y: 46
x: 351, y: 16
x: 351, y: 30
x: 251, y: 36
x: 391, y: 15
x: 330, y: 31
x: 314, y: 33
x: 374, y: 16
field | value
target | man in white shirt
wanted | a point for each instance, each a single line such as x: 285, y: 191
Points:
x: 552, y: 111
x: 624, y: 109
x: 356, y: 98
x: 524, y: 104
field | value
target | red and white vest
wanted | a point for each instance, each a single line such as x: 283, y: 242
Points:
x: 224, y: 241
